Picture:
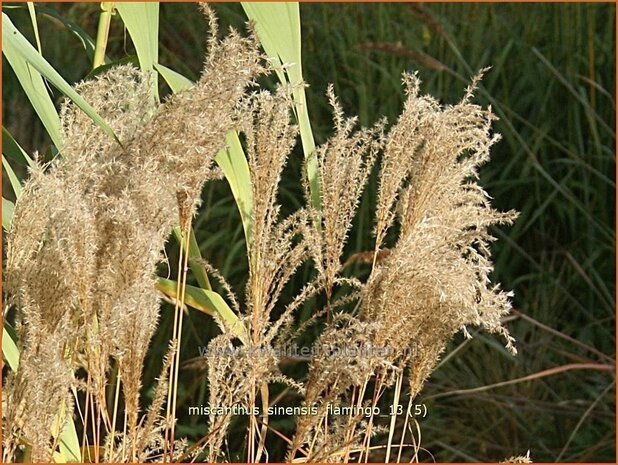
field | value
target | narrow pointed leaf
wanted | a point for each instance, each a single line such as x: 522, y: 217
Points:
x: 176, y: 81
x: 233, y: 163
x: 13, y: 150
x: 142, y: 22
x: 278, y: 28
x: 10, y: 352
x: 30, y: 79
x: 32, y: 67
x: 35, y: 26
x: 15, y: 183
x: 87, y: 41
x: 7, y: 213
x: 208, y: 302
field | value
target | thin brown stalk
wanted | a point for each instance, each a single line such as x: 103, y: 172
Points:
x: 115, y: 413
x: 395, y: 404
x: 85, y: 421
x: 405, y: 429
x: 264, y: 421
x: 534, y: 376
x: 170, y: 413
x: 179, y: 311
x: 377, y: 393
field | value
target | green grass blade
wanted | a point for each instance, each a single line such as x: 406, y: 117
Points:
x: 142, y: 22
x: 206, y: 301
x: 35, y: 26
x: 23, y: 56
x: 15, y: 183
x: 7, y: 213
x: 176, y: 81
x: 85, y: 38
x: 13, y: 150
x: 30, y: 80
x: 10, y: 351
x: 69, y: 442
x: 233, y: 163
x: 169, y: 288
x: 278, y: 28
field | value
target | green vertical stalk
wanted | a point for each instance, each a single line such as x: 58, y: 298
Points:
x: 107, y: 10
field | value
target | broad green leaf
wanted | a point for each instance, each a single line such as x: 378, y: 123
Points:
x: 176, y: 81
x: 31, y: 65
x: 7, y: 213
x: 208, y: 302
x: 15, y: 183
x: 278, y: 28
x: 9, y: 349
x: 142, y: 22
x: 233, y: 163
x: 13, y: 150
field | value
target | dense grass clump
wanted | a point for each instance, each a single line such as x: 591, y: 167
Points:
x: 322, y: 276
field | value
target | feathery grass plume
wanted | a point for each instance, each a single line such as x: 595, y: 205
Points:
x: 435, y: 281
x: 344, y: 163
x: 49, y: 276
x: 232, y: 377
x: 149, y: 434
x: 109, y: 208
x: 275, y: 250
x: 178, y: 146
x: 189, y: 129
x: 405, y: 138
x: 519, y: 459
x: 343, y: 358
x: 125, y: 218
x: 202, y: 115
x: 134, y: 213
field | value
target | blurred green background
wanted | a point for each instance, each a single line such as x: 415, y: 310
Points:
x: 552, y: 84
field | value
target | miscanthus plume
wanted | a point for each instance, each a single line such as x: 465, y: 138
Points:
x: 431, y: 283
x: 90, y: 227
x: 89, y: 230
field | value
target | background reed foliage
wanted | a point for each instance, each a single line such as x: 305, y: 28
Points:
x: 551, y: 84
